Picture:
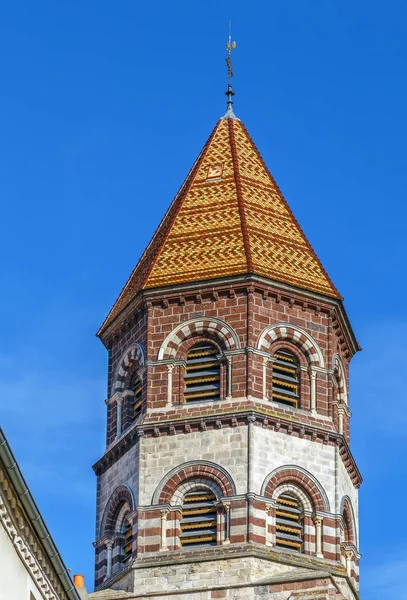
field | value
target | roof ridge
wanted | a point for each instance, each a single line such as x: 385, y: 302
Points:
x: 176, y: 200
x: 239, y: 195
x: 289, y: 210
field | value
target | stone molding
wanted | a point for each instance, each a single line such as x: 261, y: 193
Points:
x: 304, y: 479
x: 135, y: 353
x: 120, y: 495
x: 267, y: 420
x: 296, y: 335
x: 188, y: 328
x: 190, y: 470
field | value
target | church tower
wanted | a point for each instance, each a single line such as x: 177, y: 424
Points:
x: 227, y: 471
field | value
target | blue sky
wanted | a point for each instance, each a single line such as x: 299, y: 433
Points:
x: 104, y: 106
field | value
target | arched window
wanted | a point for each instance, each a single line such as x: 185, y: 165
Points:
x: 198, y: 521
x: 289, y: 523
x: 286, y: 378
x: 202, y: 377
x: 136, y: 387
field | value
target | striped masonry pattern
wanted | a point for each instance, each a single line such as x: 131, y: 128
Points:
x: 133, y: 355
x: 286, y: 332
x: 205, y: 326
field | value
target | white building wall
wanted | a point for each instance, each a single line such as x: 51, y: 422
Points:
x: 15, y: 581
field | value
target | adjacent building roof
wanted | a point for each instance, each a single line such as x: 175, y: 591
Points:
x: 229, y: 218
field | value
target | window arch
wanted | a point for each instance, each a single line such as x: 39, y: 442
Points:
x: 203, y: 373
x: 289, y: 523
x: 286, y: 378
x: 199, y: 518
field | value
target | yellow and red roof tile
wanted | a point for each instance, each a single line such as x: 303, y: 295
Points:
x: 229, y: 218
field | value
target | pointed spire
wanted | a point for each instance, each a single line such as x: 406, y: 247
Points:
x: 230, y: 93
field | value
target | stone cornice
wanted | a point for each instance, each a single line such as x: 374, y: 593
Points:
x: 147, y: 298
x: 184, y: 425
x: 312, y: 567
x: 25, y: 544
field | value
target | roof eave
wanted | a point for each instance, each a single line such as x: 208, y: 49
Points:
x: 106, y: 329
x: 35, y: 518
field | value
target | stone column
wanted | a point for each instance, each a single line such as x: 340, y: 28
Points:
x: 229, y: 382
x: 119, y: 403
x: 265, y: 363
x: 164, y: 514
x: 348, y: 556
x: 269, y: 536
x: 313, y: 389
x: 340, y: 420
x: 109, y: 550
x: 318, y: 536
x: 170, y: 369
x: 218, y: 524
x: 226, y: 537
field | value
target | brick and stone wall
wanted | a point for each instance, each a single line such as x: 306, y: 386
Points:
x: 257, y: 445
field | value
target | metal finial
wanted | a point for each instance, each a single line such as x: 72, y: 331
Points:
x: 230, y: 93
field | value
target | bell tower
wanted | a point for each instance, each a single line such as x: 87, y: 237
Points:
x: 228, y: 471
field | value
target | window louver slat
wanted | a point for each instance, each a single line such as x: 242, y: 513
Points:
x: 286, y: 382
x: 137, y: 388
x: 198, y: 521
x: 202, y: 378
x: 289, y: 527
x: 128, y: 540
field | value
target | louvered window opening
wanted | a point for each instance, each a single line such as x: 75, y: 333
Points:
x: 202, y: 377
x: 286, y: 382
x: 127, y: 540
x: 289, y: 527
x: 198, y: 521
x: 137, y: 389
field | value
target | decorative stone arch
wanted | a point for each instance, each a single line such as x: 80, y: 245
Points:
x: 195, y: 327
x: 189, y: 475
x: 300, y: 478
x: 339, y: 378
x: 192, y: 484
x: 121, y: 496
x: 294, y: 334
x: 133, y: 355
x: 296, y: 491
x: 349, y: 520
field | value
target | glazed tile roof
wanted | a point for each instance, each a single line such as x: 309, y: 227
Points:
x: 229, y: 218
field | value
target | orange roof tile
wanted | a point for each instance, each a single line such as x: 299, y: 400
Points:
x: 229, y: 218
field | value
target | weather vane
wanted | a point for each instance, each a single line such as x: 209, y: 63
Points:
x: 229, y: 47
x: 230, y: 93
